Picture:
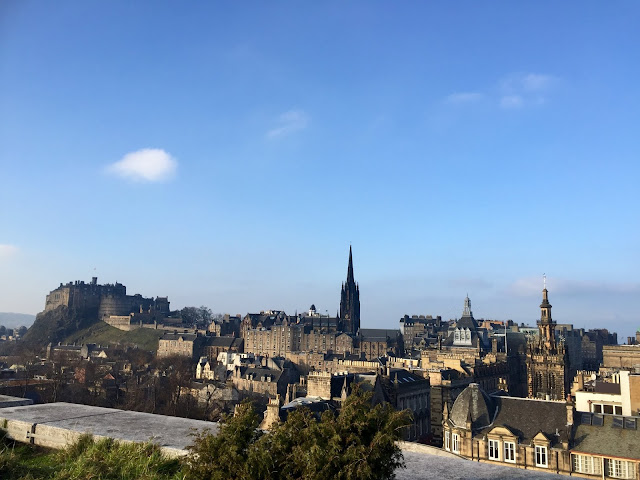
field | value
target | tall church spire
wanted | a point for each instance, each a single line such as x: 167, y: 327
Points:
x: 350, y: 301
x: 350, y: 268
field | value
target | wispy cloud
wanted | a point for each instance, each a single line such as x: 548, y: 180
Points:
x: 7, y: 251
x: 535, y: 82
x: 146, y: 165
x: 288, y: 123
x: 463, y: 97
x: 511, y: 101
x: 513, y: 91
x: 525, y: 89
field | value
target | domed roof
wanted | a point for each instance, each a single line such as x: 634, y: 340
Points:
x: 312, y: 308
x: 473, y: 403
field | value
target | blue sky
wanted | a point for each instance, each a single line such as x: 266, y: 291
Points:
x: 227, y: 154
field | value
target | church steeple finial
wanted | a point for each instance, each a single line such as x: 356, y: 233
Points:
x: 350, y: 278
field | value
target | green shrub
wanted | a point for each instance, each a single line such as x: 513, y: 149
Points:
x: 358, y: 444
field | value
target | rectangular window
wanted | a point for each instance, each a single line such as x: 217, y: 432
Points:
x: 456, y: 443
x: 541, y: 456
x: 608, y: 409
x: 586, y: 464
x: 447, y: 439
x: 494, y: 450
x: 621, y: 469
x: 617, y: 409
x: 510, y: 452
x: 596, y: 408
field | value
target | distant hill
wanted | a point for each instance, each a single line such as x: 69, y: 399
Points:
x: 14, y: 320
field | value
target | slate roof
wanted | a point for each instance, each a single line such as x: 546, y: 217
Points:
x: 527, y: 417
x: 524, y: 417
x: 259, y: 372
x: 467, y: 321
x: 475, y: 404
x: 187, y: 337
x: 378, y: 334
x: 223, y: 341
x: 608, y: 441
x: 400, y: 381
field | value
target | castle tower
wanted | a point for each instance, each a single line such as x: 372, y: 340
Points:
x: 350, y: 301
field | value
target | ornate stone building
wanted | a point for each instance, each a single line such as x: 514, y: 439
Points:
x: 547, y: 359
x: 350, y: 302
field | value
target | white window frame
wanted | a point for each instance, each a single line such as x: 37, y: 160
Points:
x: 455, y: 443
x: 620, y: 469
x: 494, y: 449
x: 542, y: 456
x: 509, y: 449
x: 586, y: 464
x: 447, y: 440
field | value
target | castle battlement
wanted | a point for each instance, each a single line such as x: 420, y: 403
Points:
x: 109, y: 299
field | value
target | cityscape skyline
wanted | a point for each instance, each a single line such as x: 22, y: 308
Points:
x: 227, y: 156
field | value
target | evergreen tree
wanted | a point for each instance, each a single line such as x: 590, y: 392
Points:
x: 359, y: 443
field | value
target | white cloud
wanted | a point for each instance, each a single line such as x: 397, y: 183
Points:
x: 289, y: 122
x: 146, y: 165
x: 535, y: 82
x: 7, y: 251
x: 463, y: 97
x: 525, y: 89
x: 511, y: 101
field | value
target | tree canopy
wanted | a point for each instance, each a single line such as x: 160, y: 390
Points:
x: 358, y: 443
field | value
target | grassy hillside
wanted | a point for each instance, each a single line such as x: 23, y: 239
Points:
x: 103, y: 334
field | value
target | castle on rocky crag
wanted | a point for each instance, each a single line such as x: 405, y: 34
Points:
x: 109, y: 300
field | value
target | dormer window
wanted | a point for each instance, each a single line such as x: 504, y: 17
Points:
x: 494, y: 450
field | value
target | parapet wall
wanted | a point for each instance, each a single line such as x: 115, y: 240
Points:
x: 56, y: 425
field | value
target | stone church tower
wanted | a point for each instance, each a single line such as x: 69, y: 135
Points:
x: 350, y: 302
x: 547, y: 359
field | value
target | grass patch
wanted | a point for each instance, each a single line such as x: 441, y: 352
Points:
x: 24, y: 462
x: 87, y: 459
x: 104, y: 334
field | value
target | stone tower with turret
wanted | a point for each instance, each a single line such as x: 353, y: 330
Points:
x: 547, y: 359
x: 350, y: 301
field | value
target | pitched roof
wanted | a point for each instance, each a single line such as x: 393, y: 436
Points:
x: 379, y: 334
x: 607, y: 440
x: 187, y: 337
x: 527, y: 417
x: 223, y: 341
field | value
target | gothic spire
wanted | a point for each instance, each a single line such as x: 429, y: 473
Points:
x: 350, y: 268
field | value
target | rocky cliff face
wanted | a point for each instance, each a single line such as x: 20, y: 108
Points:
x: 55, y: 325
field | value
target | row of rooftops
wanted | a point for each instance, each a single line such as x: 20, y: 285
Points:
x: 600, y: 434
